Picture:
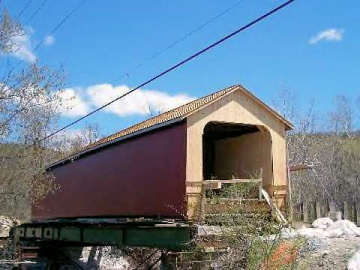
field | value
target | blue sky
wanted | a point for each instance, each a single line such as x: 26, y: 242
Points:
x: 310, y: 47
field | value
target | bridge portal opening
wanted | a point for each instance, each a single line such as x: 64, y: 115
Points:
x: 236, y: 151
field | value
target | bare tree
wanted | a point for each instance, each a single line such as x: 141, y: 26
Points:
x: 330, y: 149
x: 286, y: 104
x: 29, y: 106
x: 9, y: 29
x: 341, y: 119
x: 71, y: 142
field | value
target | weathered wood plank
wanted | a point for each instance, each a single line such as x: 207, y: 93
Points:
x: 213, y: 185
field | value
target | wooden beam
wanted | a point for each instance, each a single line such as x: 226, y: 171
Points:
x: 217, y: 184
x: 233, y: 181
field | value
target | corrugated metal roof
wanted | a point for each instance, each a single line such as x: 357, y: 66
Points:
x: 172, y: 115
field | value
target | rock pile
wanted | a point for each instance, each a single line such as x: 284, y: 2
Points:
x: 326, y: 228
x: 329, y: 244
x: 354, y: 263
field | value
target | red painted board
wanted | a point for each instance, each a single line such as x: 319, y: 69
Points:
x: 141, y: 176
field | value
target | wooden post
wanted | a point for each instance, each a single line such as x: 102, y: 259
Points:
x: 332, y: 212
x: 357, y: 213
x: 312, y: 211
x: 320, y: 209
x: 353, y: 212
x: 332, y: 206
x: 306, y: 212
x: 347, y: 211
x: 203, y: 204
x: 297, y: 212
x: 261, y: 184
x: 289, y: 195
x: 301, y: 212
x: 326, y: 208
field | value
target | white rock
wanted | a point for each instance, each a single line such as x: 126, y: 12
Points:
x: 354, y: 263
x: 335, y: 233
x: 322, y: 223
x: 286, y: 233
x: 335, y: 215
x: 343, y: 228
x: 312, y: 232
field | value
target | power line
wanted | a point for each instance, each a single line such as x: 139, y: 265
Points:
x: 181, y: 39
x: 248, y: 25
x: 56, y: 28
x: 24, y: 8
x: 63, y: 20
x: 32, y: 16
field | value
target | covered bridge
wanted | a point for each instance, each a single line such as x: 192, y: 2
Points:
x: 157, y: 168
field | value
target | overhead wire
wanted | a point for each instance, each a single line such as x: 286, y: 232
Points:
x: 28, y: 3
x: 61, y: 23
x: 56, y: 28
x: 216, y: 43
x: 182, y: 38
x: 35, y: 13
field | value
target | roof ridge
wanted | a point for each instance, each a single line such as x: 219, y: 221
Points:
x: 114, y: 135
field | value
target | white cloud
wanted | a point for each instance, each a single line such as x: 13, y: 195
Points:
x: 140, y: 102
x: 72, y: 104
x: 22, y: 48
x: 331, y: 34
x: 49, y: 40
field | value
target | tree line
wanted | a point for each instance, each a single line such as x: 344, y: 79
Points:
x: 328, y: 143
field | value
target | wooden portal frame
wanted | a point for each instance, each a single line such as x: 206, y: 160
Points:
x: 235, y: 108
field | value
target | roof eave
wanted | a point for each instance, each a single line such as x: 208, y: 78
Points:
x: 103, y: 145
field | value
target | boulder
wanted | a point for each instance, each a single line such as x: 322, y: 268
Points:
x: 322, y: 223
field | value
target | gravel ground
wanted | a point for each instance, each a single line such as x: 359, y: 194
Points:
x: 330, y: 253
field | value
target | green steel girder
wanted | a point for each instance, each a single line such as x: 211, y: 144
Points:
x: 174, y: 236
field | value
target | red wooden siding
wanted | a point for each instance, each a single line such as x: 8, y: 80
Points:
x: 141, y: 176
